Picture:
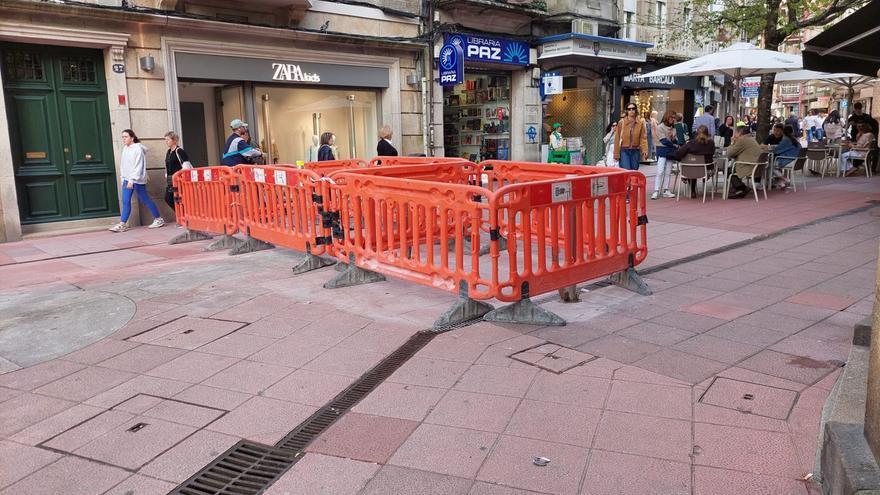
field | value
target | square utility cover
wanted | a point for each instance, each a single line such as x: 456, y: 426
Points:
x: 750, y: 398
x: 552, y: 357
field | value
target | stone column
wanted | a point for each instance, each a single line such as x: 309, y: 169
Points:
x: 524, y: 105
x: 10, y: 221
x: 872, y: 406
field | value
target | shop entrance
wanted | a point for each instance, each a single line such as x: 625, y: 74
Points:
x: 59, y: 122
x: 476, y: 118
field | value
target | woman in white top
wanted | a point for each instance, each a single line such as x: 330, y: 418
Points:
x: 609, y: 145
x: 133, y: 172
x: 832, y: 126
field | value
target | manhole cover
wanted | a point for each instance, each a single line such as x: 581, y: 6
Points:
x: 552, y: 357
x: 750, y: 398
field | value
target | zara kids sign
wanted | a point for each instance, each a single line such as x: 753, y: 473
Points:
x: 293, y: 73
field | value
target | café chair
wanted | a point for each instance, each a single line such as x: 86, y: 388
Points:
x: 695, y: 167
x: 759, y: 170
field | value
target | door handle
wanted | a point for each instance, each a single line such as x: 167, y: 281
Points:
x: 88, y: 156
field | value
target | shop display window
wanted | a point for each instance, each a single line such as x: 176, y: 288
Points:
x: 476, y: 118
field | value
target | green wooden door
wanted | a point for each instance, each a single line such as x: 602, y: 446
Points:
x: 59, y: 123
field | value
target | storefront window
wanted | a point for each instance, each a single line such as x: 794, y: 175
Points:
x: 582, y: 115
x: 476, y: 118
x: 296, y: 117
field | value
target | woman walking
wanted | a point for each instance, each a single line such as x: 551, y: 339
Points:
x: 385, y: 147
x: 664, y: 142
x: 610, y: 131
x: 631, y: 140
x: 175, y: 159
x: 325, y: 152
x: 133, y: 169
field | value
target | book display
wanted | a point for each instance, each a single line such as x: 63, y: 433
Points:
x: 476, y: 118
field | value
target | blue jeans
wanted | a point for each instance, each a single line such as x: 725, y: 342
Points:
x: 142, y: 195
x: 629, y: 158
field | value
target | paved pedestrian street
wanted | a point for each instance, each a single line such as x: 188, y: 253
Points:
x: 128, y: 364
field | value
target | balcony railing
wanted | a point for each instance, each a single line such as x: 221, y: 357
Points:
x: 674, y: 46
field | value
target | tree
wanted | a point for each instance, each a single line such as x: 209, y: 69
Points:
x: 771, y: 22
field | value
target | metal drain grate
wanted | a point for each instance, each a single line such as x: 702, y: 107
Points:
x: 245, y: 469
x: 298, y: 439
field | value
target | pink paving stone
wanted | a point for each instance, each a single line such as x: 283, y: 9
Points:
x: 8, y: 393
x: 801, y: 311
x: 429, y: 372
x: 142, y: 358
x: 717, y: 349
x: 471, y: 410
x: 510, y: 463
x: 496, y: 380
x: 262, y: 419
x: 765, y: 401
x: 149, y: 385
x: 688, y: 321
x: 141, y: 485
x: 395, y: 479
x: 25, y: 410
x: 382, y: 339
x: 182, y: 413
x: 445, y: 450
x: 138, y: 404
x: 619, y: 348
x: 813, y: 348
x: 85, y: 383
x: 737, y: 331
x: 681, y: 366
x: 554, y: 423
x: 99, y: 351
x: 323, y: 475
x: 772, y: 321
x: 309, y: 387
x: 21, y: 460
x: 131, y: 450
x: 186, y: 458
x: 83, y: 433
x: 650, y: 400
x: 655, y: 334
x: 188, y: 333
x: 326, y: 333
x: 237, y: 345
x: 39, y: 375
x: 711, y: 481
x: 342, y: 361
x: 706, y: 413
x: 248, y: 376
x: 610, y: 473
x: 717, y: 310
x: 213, y: 397
x: 274, y: 327
x: 822, y: 300
x: 192, y: 367
x: 70, y: 476
x: 364, y: 437
x: 288, y: 352
x: 50, y: 427
x: 397, y: 400
x: 570, y: 389
x: 753, y: 451
x: 452, y: 347
x: 632, y: 374
x: 481, y: 488
x: 789, y: 367
x: 663, y: 438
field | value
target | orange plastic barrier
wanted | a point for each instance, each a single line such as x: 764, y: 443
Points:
x: 329, y: 166
x: 410, y: 160
x: 564, y: 225
x: 281, y: 205
x: 204, y: 199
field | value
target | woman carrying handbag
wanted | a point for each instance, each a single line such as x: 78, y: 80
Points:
x: 175, y: 159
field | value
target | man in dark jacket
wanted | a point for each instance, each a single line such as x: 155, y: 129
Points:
x: 860, y: 117
x: 238, y: 150
x: 792, y: 120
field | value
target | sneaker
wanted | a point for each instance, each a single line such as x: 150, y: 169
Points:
x: 667, y: 194
x: 119, y: 227
x: 655, y: 195
x: 159, y: 222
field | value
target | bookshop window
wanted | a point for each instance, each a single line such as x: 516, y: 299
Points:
x: 476, y: 118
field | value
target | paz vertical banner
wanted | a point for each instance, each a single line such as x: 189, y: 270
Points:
x: 451, y: 63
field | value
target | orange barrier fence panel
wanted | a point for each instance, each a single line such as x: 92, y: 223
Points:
x: 281, y: 205
x: 410, y: 160
x: 330, y: 166
x: 204, y: 200
x: 415, y: 230
x: 455, y: 171
x: 563, y: 232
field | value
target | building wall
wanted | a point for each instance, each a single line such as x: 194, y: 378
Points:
x: 150, y: 97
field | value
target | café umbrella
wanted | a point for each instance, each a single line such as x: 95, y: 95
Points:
x: 737, y: 61
x: 846, y: 79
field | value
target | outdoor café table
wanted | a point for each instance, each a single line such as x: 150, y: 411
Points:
x: 719, y: 159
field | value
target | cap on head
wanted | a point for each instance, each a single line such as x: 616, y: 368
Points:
x: 557, y: 125
x: 236, y: 123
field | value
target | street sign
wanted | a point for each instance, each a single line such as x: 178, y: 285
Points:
x: 620, y: 71
x: 451, y: 63
x: 552, y: 82
x: 751, y: 87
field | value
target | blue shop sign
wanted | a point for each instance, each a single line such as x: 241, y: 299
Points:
x: 486, y: 49
x: 451, y: 63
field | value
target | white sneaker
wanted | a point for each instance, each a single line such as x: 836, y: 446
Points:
x: 159, y: 222
x: 119, y: 227
x: 667, y: 194
x: 655, y: 195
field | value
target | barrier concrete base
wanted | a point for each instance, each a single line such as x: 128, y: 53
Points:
x: 525, y: 311
x: 312, y: 262
x: 225, y: 241
x: 353, y: 275
x: 190, y: 236
x: 249, y: 246
x: 463, y: 310
x: 631, y: 280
